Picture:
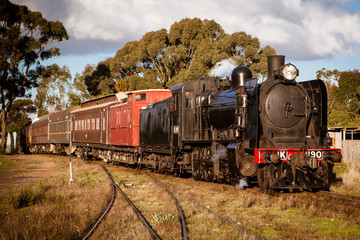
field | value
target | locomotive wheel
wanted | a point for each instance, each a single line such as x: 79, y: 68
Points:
x: 208, y: 174
x: 322, y: 170
x: 263, y: 178
x: 195, y: 164
x: 195, y: 169
x: 247, y: 166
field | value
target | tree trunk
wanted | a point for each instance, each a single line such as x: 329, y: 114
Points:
x: 3, y: 129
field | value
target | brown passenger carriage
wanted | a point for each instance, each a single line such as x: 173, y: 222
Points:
x: 38, y: 138
x: 60, y: 130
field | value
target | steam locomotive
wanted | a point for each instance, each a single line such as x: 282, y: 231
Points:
x: 273, y: 133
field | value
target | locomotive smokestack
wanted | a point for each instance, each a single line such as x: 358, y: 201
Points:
x: 274, y: 63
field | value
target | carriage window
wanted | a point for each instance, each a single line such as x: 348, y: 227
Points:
x: 93, y: 123
x: 140, y: 97
x: 97, y: 123
x: 189, y: 100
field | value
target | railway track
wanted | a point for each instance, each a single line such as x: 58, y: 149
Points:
x: 147, y: 225
x: 181, y: 214
x: 232, y: 224
x: 341, y: 196
x: 172, y: 193
x: 351, y: 200
x: 138, y: 213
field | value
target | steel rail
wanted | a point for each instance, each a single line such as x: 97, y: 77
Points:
x: 142, y: 218
x: 342, y: 194
x: 182, y: 218
x: 106, y: 210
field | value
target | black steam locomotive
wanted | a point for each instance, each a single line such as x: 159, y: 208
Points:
x: 273, y: 133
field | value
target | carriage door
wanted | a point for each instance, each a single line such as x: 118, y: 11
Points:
x: 124, y: 129
x: 188, y: 118
x: 103, y: 127
x: 175, y: 121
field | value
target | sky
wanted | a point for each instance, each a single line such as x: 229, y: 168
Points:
x: 312, y: 34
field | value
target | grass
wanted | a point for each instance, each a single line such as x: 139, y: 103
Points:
x: 284, y: 216
x: 6, y: 165
x: 53, y: 208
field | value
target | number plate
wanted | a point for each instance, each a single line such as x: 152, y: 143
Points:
x: 176, y: 129
x: 286, y: 154
x: 315, y: 154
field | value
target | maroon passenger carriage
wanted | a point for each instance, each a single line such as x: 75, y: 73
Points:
x: 37, y: 135
x: 60, y: 131
x: 90, y: 125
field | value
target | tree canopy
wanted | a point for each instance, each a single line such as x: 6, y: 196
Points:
x: 80, y: 92
x: 53, y: 89
x: 188, y: 51
x: 18, y: 117
x: 343, y: 97
x: 25, y: 37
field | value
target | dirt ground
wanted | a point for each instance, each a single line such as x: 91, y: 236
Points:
x: 20, y: 169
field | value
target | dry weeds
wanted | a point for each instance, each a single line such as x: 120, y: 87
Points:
x: 350, y: 175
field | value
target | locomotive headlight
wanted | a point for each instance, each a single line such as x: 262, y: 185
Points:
x: 289, y: 72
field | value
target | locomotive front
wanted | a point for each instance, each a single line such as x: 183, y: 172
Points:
x: 293, y: 150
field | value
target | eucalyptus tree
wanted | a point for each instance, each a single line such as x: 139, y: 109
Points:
x: 185, y: 52
x: 343, y: 96
x: 25, y: 39
x: 54, y: 87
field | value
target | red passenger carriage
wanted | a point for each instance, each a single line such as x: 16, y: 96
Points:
x: 125, y: 123
x: 124, y: 127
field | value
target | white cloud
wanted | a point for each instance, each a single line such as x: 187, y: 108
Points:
x: 223, y: 68
x: 301, y: 29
